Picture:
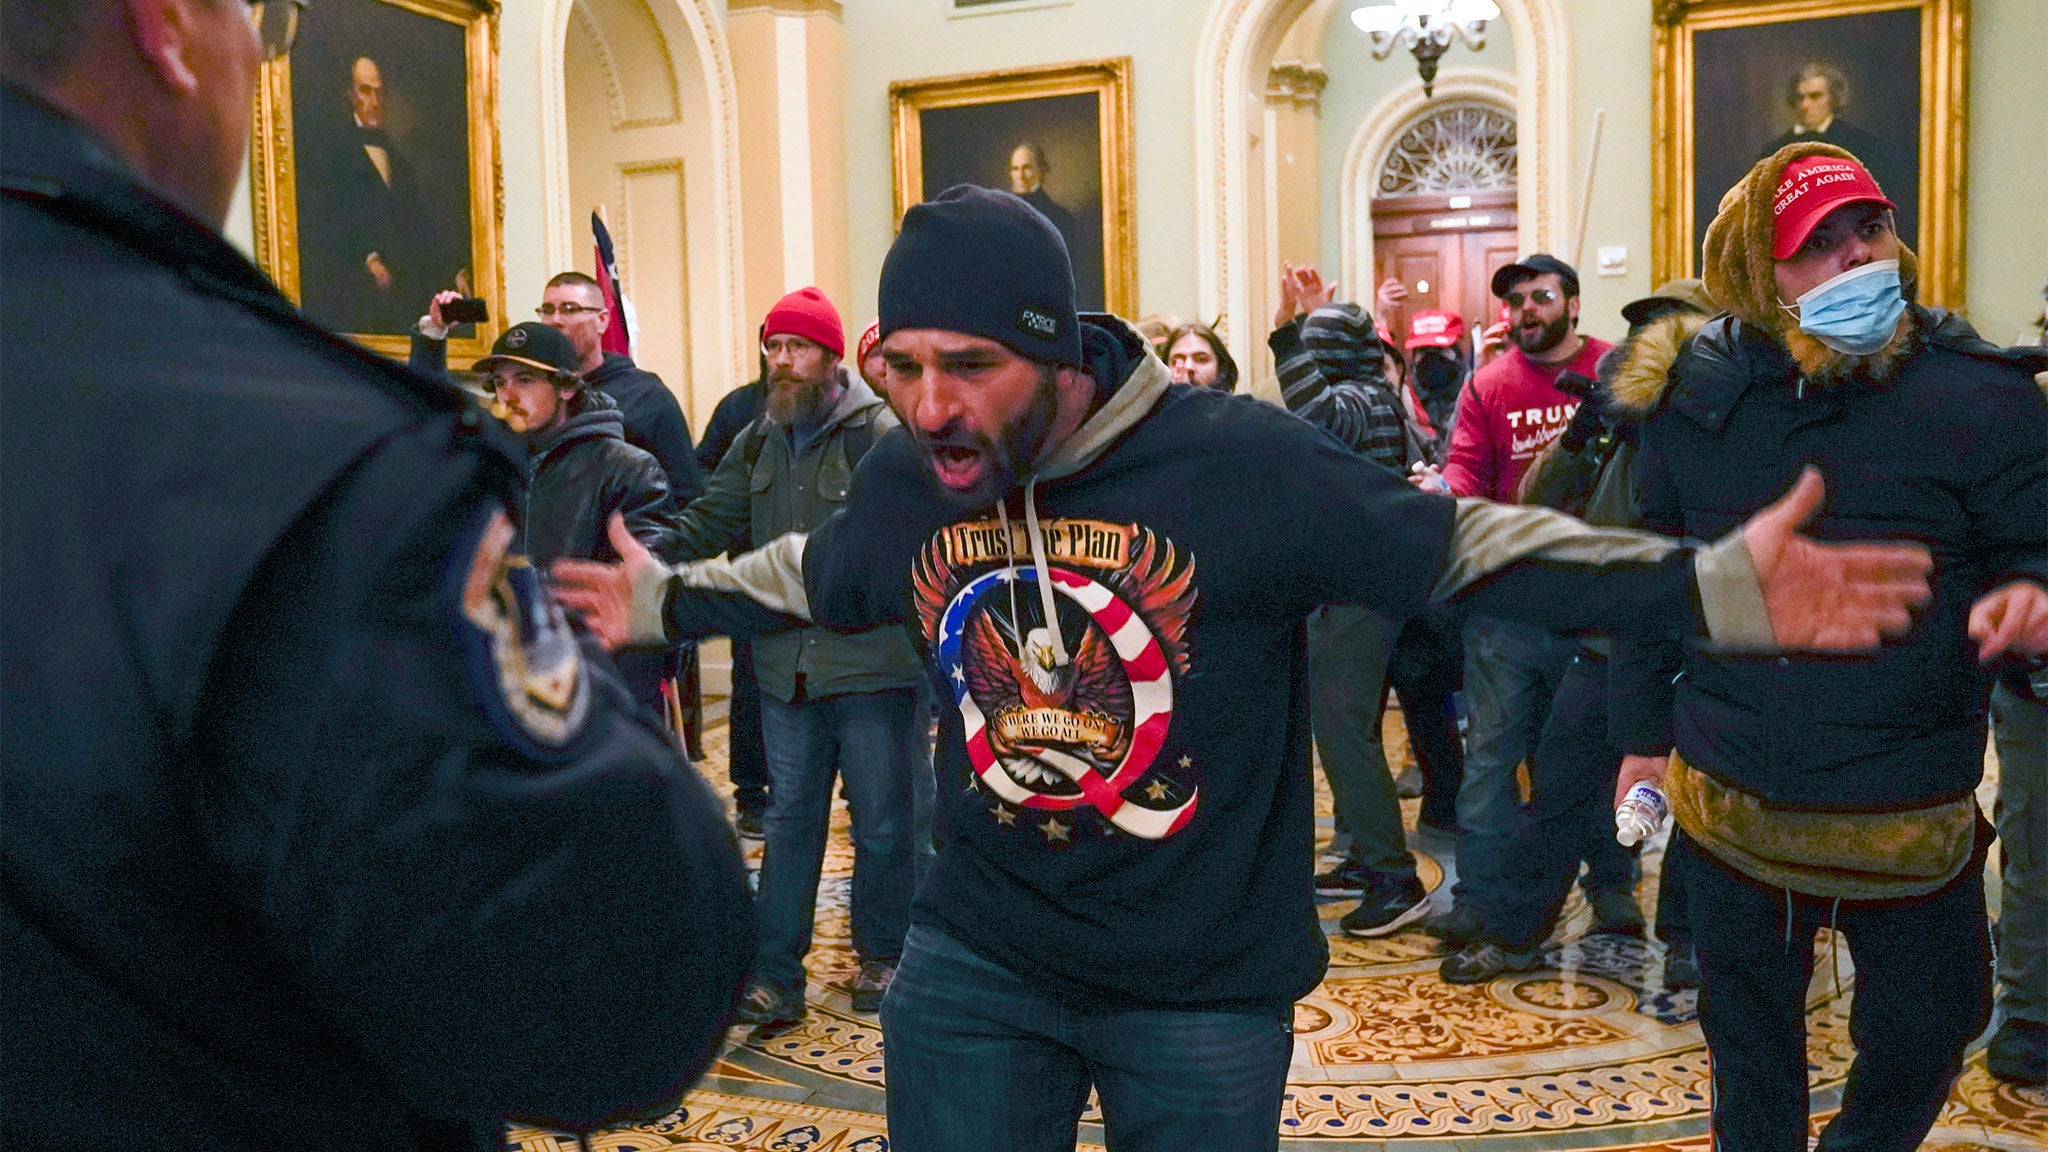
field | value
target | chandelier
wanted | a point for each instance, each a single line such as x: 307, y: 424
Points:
x: 1425, y: 27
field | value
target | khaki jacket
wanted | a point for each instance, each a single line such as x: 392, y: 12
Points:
x: 765, y: 487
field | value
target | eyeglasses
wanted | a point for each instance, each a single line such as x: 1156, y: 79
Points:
x: 1539, y: 296
x: 792, y: 346
x: 277, y: 24
x: 566, y: 309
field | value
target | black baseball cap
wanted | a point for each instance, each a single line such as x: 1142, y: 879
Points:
x: 1507, y: 276
x: 535, y: 345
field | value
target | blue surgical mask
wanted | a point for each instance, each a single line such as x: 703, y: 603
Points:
x: 1854, y: 313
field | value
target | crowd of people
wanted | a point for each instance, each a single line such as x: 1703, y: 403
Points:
x: 332, y: 745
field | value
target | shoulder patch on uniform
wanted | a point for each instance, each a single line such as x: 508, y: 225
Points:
x: 525, y: 668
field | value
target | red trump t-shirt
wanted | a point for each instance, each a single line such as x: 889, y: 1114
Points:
x: 1509, y: 412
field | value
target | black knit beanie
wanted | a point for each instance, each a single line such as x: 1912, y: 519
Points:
x: 985, y: 263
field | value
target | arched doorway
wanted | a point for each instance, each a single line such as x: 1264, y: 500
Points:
x: 1235, y: 264
x: 638, y: 122
x: 1431, y: 194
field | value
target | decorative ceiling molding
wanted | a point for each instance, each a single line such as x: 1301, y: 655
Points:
x: 615, y: 92
x: 1297, y: 82
x: 831, y: 8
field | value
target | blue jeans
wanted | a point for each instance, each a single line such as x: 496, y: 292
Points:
x: 1570, y: 816
x: 870, y: 739
x: 979, y: 1057
x: 1511, y: 672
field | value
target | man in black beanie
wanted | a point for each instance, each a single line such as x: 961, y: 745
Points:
x: 1109, y: 574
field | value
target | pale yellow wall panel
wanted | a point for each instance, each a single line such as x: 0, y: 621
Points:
x: 652, y: 211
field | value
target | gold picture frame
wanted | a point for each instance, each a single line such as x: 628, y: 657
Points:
x: 1718, y: 54
x: 967, y: 128
x: 322, y: 184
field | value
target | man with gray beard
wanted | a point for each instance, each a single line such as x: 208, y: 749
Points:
x: 829, y: 702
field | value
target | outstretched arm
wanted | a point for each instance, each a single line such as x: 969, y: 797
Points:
x: 642, y: 601
x: 1766, y: 587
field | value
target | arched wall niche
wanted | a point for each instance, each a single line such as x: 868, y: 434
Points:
x: 645, y: 89
x: 1234, y: 211
x: 1375, y: 137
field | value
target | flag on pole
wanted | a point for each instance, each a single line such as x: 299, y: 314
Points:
x: 618, y: 332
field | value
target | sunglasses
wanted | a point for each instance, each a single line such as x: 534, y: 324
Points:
x: 277, y: 25
x: 1539, y: 296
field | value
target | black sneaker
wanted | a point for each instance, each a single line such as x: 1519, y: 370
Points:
x: 1615, y: 913
x: 1456, y: 927
x: 1681, y: 967
x: 749, y: 823
x: 1388, y: 907
x: 767, y: 1006
x: 870, y: 984
x: 1347, y: 879
x: 1446, y: 827
x: 1408, y: 783
x: 1481, y: 962
x: 2018, y: 1053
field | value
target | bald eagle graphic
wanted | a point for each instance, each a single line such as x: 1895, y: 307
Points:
x: 1010, y: 674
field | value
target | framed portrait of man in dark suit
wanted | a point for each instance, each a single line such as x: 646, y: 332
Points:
x: 375, y: 166
x: 1059, y: 137
x: 1736, y: 80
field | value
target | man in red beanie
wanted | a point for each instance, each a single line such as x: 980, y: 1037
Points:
x: 830, y: 703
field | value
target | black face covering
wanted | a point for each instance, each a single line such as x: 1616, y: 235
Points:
x: 1436, y: 373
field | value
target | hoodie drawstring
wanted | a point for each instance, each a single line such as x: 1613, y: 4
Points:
x: 1010, y: 559
x: 1045, y: 600
x: 1060, y: 659
x: 1835, y: 947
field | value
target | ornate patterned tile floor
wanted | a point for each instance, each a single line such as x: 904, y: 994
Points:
x: 1589, y: 1052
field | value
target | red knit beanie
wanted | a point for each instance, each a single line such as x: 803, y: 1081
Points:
x: 806, y: 313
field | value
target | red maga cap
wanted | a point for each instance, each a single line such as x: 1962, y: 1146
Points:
x: 1812, y: 187
x: 1434, y: 328
x: 867, y: 342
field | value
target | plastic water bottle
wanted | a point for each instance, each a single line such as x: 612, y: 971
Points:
x: 1642, y: 812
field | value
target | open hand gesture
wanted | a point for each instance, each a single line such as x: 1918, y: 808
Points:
x: 601, y: 595
x: 1831, y: 597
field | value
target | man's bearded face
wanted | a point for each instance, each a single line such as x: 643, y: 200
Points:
x: 1540, y: 315
x: 802, y: 382
x: 979, y: 413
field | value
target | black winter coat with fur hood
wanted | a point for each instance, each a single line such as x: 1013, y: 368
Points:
x: 1952, y: 451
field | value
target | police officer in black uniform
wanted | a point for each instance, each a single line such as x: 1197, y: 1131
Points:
x: 320, y: 829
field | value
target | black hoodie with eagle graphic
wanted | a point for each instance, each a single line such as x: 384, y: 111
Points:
x: 1120, y: 649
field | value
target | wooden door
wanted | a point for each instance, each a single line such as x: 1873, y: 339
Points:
x: 1444, y: 248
